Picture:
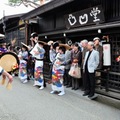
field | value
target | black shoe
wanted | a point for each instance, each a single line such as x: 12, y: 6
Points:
x: 44, y: 85
x: 73, y: 88
x: 85, y: 94
x: 65, y: 84
x: 82, y: 89
x: 90, y: 96
x: 68, y: 86
x: 76, y: 89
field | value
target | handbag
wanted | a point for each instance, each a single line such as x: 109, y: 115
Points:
x: 75, y: 71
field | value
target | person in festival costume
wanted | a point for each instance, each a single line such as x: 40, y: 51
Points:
x: 58, y: 72
x: 52, y: 54
x: 4, y: 74
x: 3, y: 49
x: 11, y: 47
x: 22, y: 69
x: 39, y: 52
x: 30, y: 64
x: 34, y: 39
x: 23, y: 57
x: 31, y: 61
x: 53, y: 51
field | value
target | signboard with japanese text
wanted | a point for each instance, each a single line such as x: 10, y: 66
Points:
x: 93, y: 15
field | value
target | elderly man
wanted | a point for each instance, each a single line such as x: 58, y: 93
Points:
x: 91, y: 63
x: 84, y: 46
x: 99, y: 48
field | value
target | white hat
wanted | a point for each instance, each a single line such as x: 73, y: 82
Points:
x: 2, y: 36
x: 96, y: 38
x: 50, y: 43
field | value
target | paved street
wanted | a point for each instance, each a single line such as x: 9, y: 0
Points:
x: 25, y: 102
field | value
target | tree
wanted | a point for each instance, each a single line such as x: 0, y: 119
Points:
x: 27, y: 3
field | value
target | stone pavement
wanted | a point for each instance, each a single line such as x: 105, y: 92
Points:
x: 25, y: 102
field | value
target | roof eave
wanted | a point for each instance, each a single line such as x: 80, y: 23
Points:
x: 45, y: 8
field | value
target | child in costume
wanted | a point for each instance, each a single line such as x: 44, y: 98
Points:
x: 22, y: 69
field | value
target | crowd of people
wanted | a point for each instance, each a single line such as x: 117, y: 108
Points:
x: 72, y: 65
x: 87, y: 55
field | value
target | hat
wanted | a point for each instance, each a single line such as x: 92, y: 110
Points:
x: 24, y: 46
x: 42, y: 42
x: 34, y: 34
x: 67, y: 47
x: 96, y: 38
x: 50, y: 42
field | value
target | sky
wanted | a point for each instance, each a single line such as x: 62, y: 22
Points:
x: 12, y: 10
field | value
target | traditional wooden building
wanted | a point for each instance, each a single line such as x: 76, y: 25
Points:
x: 9, y: 25
x: 83, y: 19
x: 15, y: 28
x: 73, y: 20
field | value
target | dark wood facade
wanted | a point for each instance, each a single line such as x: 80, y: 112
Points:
x: 52, y: 24
x: 12, y: 28
x: 54, y: 19
x: 16, y: 28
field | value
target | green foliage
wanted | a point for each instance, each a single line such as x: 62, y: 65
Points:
x: 14, y: 1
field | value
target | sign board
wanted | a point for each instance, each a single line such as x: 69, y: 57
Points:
x: 93, y: 15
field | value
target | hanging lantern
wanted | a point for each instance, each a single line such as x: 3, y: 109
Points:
x: 106, y: 52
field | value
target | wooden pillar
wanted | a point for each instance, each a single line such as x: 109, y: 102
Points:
x: 26, y: 32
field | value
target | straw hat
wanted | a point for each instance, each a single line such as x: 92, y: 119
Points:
x: 50, y: 42
x: 65, y: 45
x: 24, y: 45
x: 42, y: 42
x: 34, y: 34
